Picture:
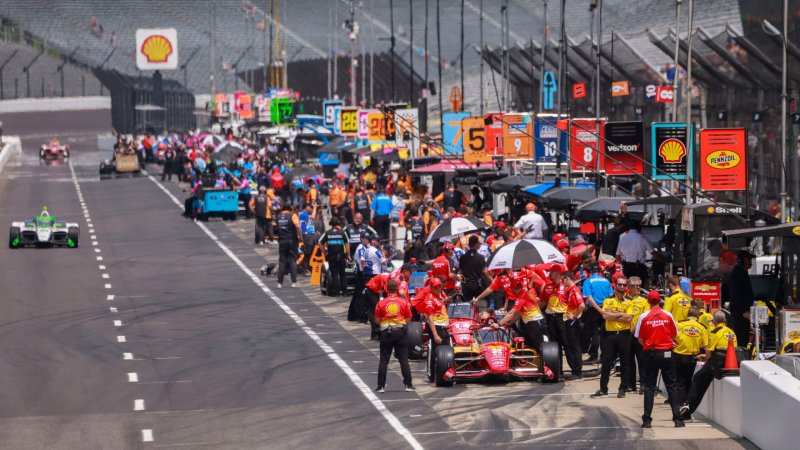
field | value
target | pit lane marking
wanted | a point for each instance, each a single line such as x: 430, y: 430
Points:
x: 110, y: 297
x: 99, y: 258
x: 113, y: 309
x: 105, y: 275
x: 121, y: 339
x: 117, y: 323
x: 133, y: 377
x: 138, y: 404
x: 108, y: 286
x: 101, y: 267
x: 329, y: 351
x: 147, y: 435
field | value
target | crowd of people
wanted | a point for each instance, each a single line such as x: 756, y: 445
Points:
x: 595, y: 304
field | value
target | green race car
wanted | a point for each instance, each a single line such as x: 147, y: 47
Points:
x: 43, y: 230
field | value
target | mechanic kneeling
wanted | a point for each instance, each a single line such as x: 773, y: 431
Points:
x: 392, y: 315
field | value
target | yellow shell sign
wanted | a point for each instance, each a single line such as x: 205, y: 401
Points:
x: 672, y: 150
x: 723, y: 159
x: 796, y: 230
x: 156, y: 49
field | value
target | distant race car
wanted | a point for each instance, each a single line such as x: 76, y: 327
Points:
x: 123, y: 163
x: 54, y: 150
x: 43, y: 230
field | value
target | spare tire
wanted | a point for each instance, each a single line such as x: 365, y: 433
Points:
x: 444, y: 361
x: 551, y: 358
x: 415, y: 341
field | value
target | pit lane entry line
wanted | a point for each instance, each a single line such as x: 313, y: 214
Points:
x: 351, y: 374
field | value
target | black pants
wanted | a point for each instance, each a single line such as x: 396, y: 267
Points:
x: 166, y: 171
x: 382, y: 226
x: 557, y: 331
x: 741, y: 327
x: 309, y: 241
x: 471, y: 290
x: 684, y: 371
x: 634, y: 269
x: 358, y: 311
x: 634, y: 364
x: 261, y: 229
x: 287, y: 260
x: 573, y: 346
x: 188, y: 211
x: 371, y: 300
x: 337, y: 283
x: 445, y: 335
x: 590, y: 336
x: 534, y: 333
x: 394, y: 339
x: 700, y: 383
x: 653, y: 361
x: 615, y: 345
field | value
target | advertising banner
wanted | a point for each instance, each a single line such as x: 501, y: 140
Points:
x: 672, y: 151
x: 585, y: 147
x: 624, y: 148
x: 517, y: 137
x: 723, y: 159
x: 157, y: 48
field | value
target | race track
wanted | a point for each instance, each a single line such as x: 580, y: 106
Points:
x: 158, y: 332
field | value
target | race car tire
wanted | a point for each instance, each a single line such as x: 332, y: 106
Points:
x: 444, y: 361
x: 41, y: 154
x: 551, y: 357
x: 13, y: 234
x: 74, y: 233
x: 414, y: 340
x: 323, y: 282
x: 66, y: 153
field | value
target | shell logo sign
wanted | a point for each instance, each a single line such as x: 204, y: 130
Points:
x: 672, y: 150
x: 156, y: 49
x: 723, y: 159
x: 796, y: 230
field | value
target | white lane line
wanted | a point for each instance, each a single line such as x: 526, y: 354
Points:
x: 101, y: 267
x: 128, y: 356
x: 110, y: 297
x: 105, y: 275
x: 539, y: 429
x: 93, y: 237
x: 138, y: 404
x: 97, y: 250
x: 113, y: 309
x: 165, y: 382
x: 351, y: 374
x: 168, y: 357
x: 133, y: 377
x: 147, y: 435
x: 117, y: 323
x: 121, y: 339
x: 108, y: 286
x: 99, y: 258
x: 94, y: 242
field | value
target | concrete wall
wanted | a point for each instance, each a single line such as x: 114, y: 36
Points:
x: 54, y: 104
x: 771, y: 399
x: 11, y: 146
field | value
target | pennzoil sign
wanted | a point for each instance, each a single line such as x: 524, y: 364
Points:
x: 723, y: 159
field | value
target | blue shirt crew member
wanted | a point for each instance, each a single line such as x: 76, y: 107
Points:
x: 309, y: 235
x: 596, y: 288
x: 368, y: 264
x: 381, y: 208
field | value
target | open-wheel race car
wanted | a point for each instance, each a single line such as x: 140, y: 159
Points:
x: 123, y: 163
x: 43, y: 230
x: 54, y: 150
x: 479, y: 352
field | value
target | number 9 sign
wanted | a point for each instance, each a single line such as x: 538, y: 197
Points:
x: 517, y: 137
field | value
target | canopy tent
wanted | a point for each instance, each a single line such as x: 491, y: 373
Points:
x: 444, y: 166
x: 604, y: 207
x: 564, y: 197
x: 666, y: 200
x: 784, y: 230
x: 512, y: 183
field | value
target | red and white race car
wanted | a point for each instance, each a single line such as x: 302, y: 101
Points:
x: 54, y: 150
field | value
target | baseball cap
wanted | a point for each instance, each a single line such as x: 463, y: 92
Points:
x: 653, y: 297
x: 448, y: 247
x: 558, y: 236
x: 745, y: 254
x: 562, y: 244
x: 435, y: 282
x: 500, y: 224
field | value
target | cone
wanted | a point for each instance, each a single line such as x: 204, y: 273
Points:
x: 731, y: 367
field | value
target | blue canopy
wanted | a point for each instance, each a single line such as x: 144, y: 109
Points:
x: 539, y: 189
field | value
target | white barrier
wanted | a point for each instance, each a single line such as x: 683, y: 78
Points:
x: 722, y: 404
x: 771, y: 397
x: 11, y: 146
x: 54, y: 104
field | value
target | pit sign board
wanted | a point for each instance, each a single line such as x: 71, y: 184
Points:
x: 348, y: 121
x: 709, y: 291
x: 672, y: 151
x: 452, y: 133
x: 723, y: 159
x: 363, y: 122
x: 494, y: 134
x: 545, y: 129
x: 517, y: 137
x: 624, y: 148
x: 376, y: 126
x: 474, y: 140
x: 407, y: 120
x: 585, y: 146
x: 157, y: 49
x: 282, y: 111
x: 329, y: 108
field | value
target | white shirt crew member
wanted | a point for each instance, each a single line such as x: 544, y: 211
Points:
x: 532, y: 224
x: 634, y: 248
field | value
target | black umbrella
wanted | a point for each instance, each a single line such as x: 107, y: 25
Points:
x: 666, y: 200
x: 380, y: 155
x: 512, y: 183
x: 603, y: 207
x: 302, y: 173
x: 562, y: 198
x: 337, y: 146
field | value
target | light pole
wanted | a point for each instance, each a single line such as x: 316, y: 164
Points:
x: 675, y: 63
x: 689, y: 123
x: 783, y: 109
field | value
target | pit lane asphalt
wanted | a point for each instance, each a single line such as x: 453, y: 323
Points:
x: 218, y: 364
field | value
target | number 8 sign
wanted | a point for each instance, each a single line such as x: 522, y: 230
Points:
x: 585, y: 146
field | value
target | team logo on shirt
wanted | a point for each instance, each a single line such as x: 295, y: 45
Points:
x: 691, y: 331
x: 392, y: 308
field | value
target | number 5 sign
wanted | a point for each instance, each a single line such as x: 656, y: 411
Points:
x: 474, y: 140
x: 517, y: 136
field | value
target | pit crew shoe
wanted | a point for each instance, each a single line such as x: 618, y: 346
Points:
x: 600, y: 393
x: 621, y: 393
x: 294, y: 285
x: 647, y: 424
x: 380, y: 389
x: 410, y: 388
x: 679, y: 424
x: 279, y: 285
